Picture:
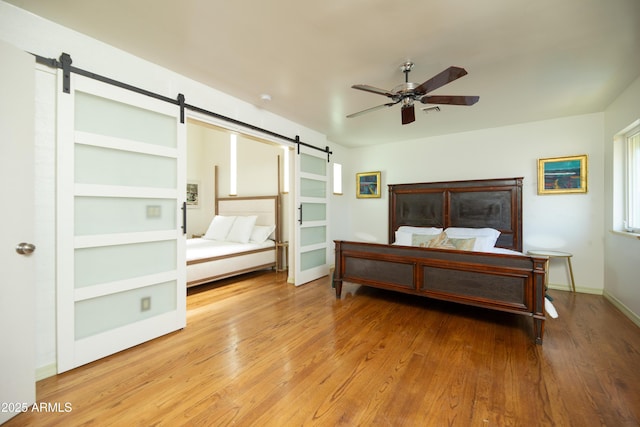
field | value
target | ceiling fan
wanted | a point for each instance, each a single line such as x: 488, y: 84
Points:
x: 407, y: 93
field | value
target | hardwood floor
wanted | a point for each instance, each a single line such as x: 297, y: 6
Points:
x: 263, y: 352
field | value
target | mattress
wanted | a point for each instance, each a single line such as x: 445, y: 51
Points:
x: 198, y: 249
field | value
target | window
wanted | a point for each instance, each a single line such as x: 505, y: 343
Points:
x: 285, y: 176
x: 632, y: 180
x: 233, y: 164
x: 337, y: 178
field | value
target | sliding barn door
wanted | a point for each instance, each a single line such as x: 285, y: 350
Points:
x: 121, y: 256
x: 312, y: 229
x: 17, y: 284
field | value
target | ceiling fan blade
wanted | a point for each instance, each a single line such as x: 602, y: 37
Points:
x: 408, y: 114
x: 368, y: 110
x: 372, y: 89
x: 439, y: 80
x: 451, y: 100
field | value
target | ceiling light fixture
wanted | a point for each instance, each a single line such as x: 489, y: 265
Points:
x: 428, y: 109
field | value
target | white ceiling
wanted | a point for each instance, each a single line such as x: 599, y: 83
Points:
x: 527, y: 60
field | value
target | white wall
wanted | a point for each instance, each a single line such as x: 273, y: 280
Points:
x: 571, y: 222
x: 36, y: 35
x: 621, y: 253
x: 340, y: 205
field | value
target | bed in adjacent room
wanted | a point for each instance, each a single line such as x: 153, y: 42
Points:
x: 240, y: 239
x: 458, y: 241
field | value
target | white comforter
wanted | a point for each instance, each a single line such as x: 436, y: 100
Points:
x: 205, y: 248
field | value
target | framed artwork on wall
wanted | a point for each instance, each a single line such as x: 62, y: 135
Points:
x: 368, y: 185
x: 193, y: 197
x: 562, y: 175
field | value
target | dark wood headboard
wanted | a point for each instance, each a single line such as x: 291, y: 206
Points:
x: 494, y: 203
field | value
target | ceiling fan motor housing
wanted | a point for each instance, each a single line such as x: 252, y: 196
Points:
x: 407, y: 92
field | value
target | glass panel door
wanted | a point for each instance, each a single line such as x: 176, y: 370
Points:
x: 121, y: 256
x: 312, y: 231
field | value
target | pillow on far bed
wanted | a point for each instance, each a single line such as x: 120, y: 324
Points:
x: 463, y: 244
x: 404, y: 234
x: 219, y: 227
x: 241, y: 229
x: 442, y: 241
x: 486, y: 238
x: 422, y: 240
x: 261, y: 233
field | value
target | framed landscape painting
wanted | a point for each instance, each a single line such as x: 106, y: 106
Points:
x: 561, y: 175
x: 368, y: 185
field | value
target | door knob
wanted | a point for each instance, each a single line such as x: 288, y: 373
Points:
x: 25, y: 248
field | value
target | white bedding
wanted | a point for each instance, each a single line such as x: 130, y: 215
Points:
x: 205, y: 248
x: 505, y: 251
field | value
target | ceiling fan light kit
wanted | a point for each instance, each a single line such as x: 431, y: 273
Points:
x: 428, y: 110
x: 407, y: 93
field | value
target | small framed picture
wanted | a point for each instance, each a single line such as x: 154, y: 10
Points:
x: 368, y: 185
x: 193, y: 197
x: 561, y: 175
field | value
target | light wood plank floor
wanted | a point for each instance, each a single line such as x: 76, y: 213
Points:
x: 263, y: 352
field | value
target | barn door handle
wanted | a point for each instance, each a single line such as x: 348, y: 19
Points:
x: 300, y: 218
x: 184, y: 217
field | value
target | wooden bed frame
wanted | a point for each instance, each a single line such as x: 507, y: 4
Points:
x: 504, y: 282
x: 267, y: 208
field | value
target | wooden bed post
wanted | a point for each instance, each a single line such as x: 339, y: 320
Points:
x: 539, y: 278
x: 337, y: 272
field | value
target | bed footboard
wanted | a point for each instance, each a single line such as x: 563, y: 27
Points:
x: 511, y: 283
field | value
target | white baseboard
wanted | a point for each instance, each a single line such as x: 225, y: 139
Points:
x: 46, y: 371
x: 623, y: 308
x: 592, y: 291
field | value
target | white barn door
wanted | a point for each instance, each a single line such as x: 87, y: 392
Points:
x: 17, y: 284
x: 312, y: 226
x: 121, y: 249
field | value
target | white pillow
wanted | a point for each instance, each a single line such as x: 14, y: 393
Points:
x: 241, y: 229
x: 219, y: 227
x: 504, y: 251
x: 486, y: 238
x: 404, y: 234
x: 261, y: 233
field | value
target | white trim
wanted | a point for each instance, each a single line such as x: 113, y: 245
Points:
x: 95, y: 140
x: 64, y: 228
x: 46, y: 371
x: 627, y: 234
x: 635, y: 318
x: 81, y: 242
x: 95, y: 291
x: 90, y: 190
x: 579, y: 289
